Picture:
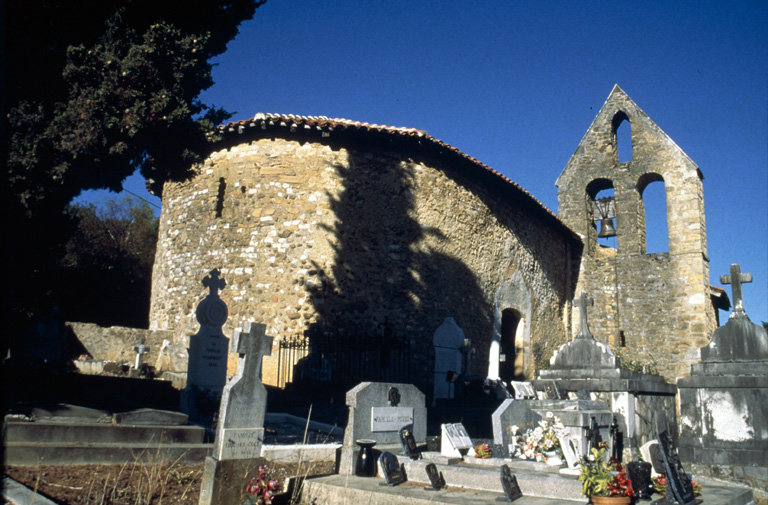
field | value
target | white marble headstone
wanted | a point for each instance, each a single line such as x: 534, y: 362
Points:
x: 455, y: 441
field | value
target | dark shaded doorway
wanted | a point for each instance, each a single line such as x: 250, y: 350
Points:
x: 511, y: 356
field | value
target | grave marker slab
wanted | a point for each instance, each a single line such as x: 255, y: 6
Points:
x: 240, y: 430
x: 207, y: 359
x: 436, y: 479
x: 408, y: 442
x: 448, y: 341
x: 393, y: 470
x: 455, y: 440
x: 376, y: 411
x: 570, y: 450
x: 678, y: 481
x: 509, y: 484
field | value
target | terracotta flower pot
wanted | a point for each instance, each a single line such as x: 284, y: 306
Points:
x: 611, y: 500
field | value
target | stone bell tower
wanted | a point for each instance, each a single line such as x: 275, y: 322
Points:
x: 659, y: 306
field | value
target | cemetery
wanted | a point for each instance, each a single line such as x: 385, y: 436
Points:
x: 385, y: 354
x: 552, y: 439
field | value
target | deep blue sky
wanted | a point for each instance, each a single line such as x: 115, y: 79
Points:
x: 516, y: 84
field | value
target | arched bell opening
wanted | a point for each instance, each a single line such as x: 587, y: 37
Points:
x: 601, y: 212
x: 622, y: 137
x: 655, y: 226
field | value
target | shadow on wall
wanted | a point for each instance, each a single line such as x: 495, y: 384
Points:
x: 387, y: 293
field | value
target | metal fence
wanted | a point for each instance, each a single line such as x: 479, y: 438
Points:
x: 343, y: 361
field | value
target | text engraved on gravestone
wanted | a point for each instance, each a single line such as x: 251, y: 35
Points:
x: 241, y: 443
x: 390, y: 418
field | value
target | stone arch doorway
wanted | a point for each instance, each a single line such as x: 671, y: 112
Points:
x: 511, y: 357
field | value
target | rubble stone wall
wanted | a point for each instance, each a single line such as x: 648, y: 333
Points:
x: 312, y: 236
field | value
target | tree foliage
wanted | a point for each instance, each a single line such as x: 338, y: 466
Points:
x: 105, y: 274
x: 96, y: 90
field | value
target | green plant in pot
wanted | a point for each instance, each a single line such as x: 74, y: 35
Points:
x: 604, y: 482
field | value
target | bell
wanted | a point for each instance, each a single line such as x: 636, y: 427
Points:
x: 606, y: 228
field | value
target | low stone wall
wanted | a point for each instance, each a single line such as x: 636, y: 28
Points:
x: 116, y: 343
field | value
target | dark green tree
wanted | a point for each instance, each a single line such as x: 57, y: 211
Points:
x: 105, y: 275
x: 96, y: 90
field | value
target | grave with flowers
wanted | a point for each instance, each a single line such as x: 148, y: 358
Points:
x: 588, y: 371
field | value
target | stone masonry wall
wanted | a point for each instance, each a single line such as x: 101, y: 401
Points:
x: 116, y: 343
x: 661, y: 302
x: 315, y: 236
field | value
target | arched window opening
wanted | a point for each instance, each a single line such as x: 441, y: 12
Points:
x: 622, y: 131
x: 654, y: 197
x: 602, y: 211
x: 511, y: 366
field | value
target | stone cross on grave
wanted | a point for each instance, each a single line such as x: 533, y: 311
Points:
x: 213, y: 282
x: 252, y: 346
x: 240, y: 430
x: 582, y: 303
x: 735, y: 279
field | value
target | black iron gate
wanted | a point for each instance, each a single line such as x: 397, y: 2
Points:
x: 344, y: 361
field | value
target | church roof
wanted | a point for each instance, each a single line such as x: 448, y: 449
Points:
x: 287, y: 124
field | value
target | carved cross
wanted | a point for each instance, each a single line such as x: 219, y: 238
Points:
x: 582, y: 303
x: 252, y: 346
x: 736, y: 278
x: 213, y: 282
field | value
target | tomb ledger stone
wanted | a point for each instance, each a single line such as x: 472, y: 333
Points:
x: 723, y: 402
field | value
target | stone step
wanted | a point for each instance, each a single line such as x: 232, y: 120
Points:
x: 350, y: 489
x: 55, y: 431
x: 79, y: 453
x: 534, y: 479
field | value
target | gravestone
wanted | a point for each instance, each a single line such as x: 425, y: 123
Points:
x: 679, y: 487
x: 523, y: 390
x: 408, y: 442
x: 448, y: 342
x: 723, y: 411
x: 509, y: 484
x: 240, y: 430
x: 588, y: 370
x: 207, y: 369
x: 570, y: 451
x: 377, y: 411
x: 392, y: 469
x: 436, y: 479
x: 455, y: 441
x: 512, y: 413
x: 526, y: 414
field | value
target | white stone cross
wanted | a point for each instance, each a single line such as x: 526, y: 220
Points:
x: 582, y: 303
x: 213, y: 282
x: 252, y: 346
x: 735, y: 279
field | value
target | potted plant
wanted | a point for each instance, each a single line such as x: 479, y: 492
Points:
x: 604, y: 483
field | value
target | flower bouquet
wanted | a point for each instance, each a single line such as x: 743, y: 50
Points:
x: 260, y: 490
x: 540, y: 443
x: 660, y: 485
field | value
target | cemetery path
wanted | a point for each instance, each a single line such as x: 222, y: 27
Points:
x: 166, y: 483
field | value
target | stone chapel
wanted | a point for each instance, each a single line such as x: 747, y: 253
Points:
x: 329, y: 226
